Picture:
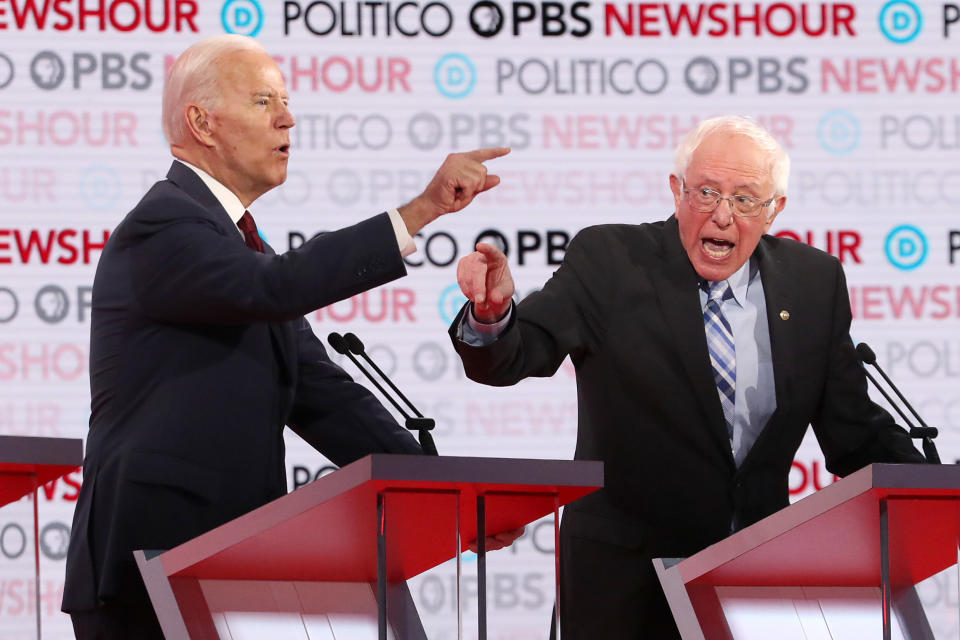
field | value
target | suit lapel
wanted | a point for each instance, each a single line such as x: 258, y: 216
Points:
x: 184, y: 177
x: 777, y: 289
x: 680, y: 304
x: 282, y: 334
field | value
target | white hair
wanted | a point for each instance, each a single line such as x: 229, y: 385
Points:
x: 195, y: 79
x: 779, y: 166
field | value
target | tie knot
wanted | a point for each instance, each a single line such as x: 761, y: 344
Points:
x: 247, y: 225
x: 717, y: 291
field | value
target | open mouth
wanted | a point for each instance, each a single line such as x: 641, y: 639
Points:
x: 284, y: 148
x: 717, y: 248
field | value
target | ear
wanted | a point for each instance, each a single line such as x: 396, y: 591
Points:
x: 198, y: 123
x: 777, y: 208
x: 677, y: 190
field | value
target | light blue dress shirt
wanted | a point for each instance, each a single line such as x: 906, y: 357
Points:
x: 755, y: 399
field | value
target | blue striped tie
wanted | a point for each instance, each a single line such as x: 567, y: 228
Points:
x: 722, y: 351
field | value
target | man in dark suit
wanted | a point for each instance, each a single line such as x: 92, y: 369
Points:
x: 703, y: 350
x: 199, y: 350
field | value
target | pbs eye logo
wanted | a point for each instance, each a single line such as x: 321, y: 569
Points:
x: 906, y: 247
x: 244, y: 17
x: 901, y: 21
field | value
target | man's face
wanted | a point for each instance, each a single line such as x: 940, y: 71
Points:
x: 719, y: 243
x: 251, y: 125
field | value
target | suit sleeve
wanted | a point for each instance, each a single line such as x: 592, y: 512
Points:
x: 852, y: 430
x: 337, y: 416
x: 564, y: 318
x: 184, y: 269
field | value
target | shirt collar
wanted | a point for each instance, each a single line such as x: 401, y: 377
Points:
x: 740, y: 281
x: 227, y: 199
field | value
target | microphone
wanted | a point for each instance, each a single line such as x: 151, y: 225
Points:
x: 925, y: 432
x: 349, y: 345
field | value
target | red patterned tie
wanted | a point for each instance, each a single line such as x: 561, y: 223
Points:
x: 250, y: 235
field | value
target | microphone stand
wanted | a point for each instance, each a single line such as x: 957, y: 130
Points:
x: 350, y: 345
x: 924, y: 433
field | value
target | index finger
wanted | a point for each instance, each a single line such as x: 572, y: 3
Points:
x: 488, y: 153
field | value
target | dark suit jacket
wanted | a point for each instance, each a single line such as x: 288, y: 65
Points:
x: 199, y: 355
x: 625, y: 306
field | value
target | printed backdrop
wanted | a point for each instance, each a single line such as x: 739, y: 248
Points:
x: 591, y: 96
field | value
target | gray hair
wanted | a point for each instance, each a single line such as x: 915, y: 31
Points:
x: 779, y: 160
x: 195, y: 78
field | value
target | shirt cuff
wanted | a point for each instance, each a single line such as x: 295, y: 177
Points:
x: 481, y: 334
x: 404, y: 241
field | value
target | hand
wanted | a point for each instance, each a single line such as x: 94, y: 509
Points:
x: 457, y: 182
x: 499, y: 541
x: 484, y: 277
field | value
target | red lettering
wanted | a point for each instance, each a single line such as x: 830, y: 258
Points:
x: 740, y: 18
x: 828, y: 71
x: 644, y: 11
x: 50, y: 488
x: 872, y: 301
x: 800, y: 488
x: 186, y: 11
x: 89, y: 246
x: 67, y: 18
x: 907, y: 299
x: 901, y: 72
x: 848, y: 242
x: 34, y: 241
x: 823, y: 21
x: 610, y: 14
x: 770, y: 22
x: 74, y: 481
x: 71, y: 251
x: 328, y: 81
x: 843, y: 16
x: 398, y: 71
x: 684, y: 15
x: 29, y: 7
x: 866, y: 75
x: 134, y: 23
x: 99, y: 12
x: 5, y: 246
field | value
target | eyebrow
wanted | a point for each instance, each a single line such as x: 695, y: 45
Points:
x: 750, y: 186
x: 269, y: 93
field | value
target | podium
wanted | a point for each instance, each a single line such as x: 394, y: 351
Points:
x: 27, y: 463
x: 330, y: 560
x: 840, y: 563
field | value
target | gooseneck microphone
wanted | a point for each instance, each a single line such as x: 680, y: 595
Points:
x: 924, y: 432
x: 349, y: 345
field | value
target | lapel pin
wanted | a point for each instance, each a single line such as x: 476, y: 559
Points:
x: 784, y: 315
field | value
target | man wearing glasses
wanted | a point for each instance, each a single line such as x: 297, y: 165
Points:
x: 703, y: 350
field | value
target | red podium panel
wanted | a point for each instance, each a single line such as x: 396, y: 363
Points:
x: 26, y: 463
x: 327, y: 531
x: 886, y: 527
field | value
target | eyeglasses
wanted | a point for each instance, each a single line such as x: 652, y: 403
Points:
x: 707, y: 200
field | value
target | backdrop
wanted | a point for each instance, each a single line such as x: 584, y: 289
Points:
x: 591, y: 96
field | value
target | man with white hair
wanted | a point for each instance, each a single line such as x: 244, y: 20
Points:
x: 199, y: 352
x: 703, y: 350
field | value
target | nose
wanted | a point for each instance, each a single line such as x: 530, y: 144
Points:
x: 722, y: 216
x: 286, y: 119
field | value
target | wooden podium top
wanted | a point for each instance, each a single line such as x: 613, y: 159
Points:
x: 832, y: 537
x: 327, y: 530
x: 28, y: 462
